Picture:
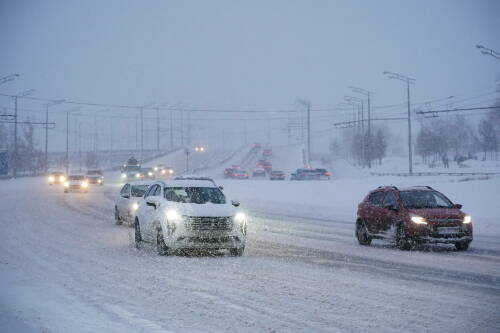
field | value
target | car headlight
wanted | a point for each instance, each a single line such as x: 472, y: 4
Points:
x: 155, y: 169
x: 467, y: 219
x: 240, y: 217
x: 85, y: 184
x: 66, y: 184
x: 163, y: 171
x: 62, y: 179
x: 170, y: 171
x: 172, y: 215
x: 138, y: 175
x: 135, y: 206
x: 51, y: 179
x: 124, y: 175
x: 418, y: 219
x: 150, y: 173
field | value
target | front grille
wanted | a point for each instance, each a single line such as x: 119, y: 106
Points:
x: 445, y: 221
x: 202, y: 223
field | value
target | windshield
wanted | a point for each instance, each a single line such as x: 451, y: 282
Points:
x: 138, y: 190
x: 76, y: 177
x: 131, y: 168
x: 424, y: 199
x: 197, y: 195
x: 94, y: 172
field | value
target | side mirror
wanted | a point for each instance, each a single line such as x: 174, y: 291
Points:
x: 126, y: 196
x: 221, y: 187
x: 459, y: 206
x: 235, y: 203
x: 152, y: 203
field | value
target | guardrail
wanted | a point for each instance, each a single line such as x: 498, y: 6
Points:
x: 407, y: 174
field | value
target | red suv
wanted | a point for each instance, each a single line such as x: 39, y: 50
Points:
x: 412, y: 216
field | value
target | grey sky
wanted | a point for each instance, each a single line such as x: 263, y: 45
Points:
x: 246, y: 54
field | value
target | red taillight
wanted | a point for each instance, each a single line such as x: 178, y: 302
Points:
x: 328, y: 174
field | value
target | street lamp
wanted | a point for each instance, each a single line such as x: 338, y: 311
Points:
x: 8, y: 78
x: 408, y: 81
x: 487, y: 51
x: 21, y: 94
x: 67, y: 136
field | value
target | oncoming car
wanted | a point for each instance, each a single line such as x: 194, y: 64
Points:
x: 132, y: 172
x: 56, y: 177
x: 189, y: 214
x: 148, y: 173
x: 95, y: 177
x: 127, y: 202
x: 411, y: 216
x: 76, y: 183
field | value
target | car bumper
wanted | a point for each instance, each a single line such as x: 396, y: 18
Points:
x: 431, y: 235
x: 207, y: 240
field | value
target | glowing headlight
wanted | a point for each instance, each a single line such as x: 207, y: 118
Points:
x: 163, y: 171
x: 124, y: 175
x: 66, y: 184
x: 170, y: 171
x: 240, y: 217
x: 135, y: 206
x: 418, y: 219
x: 62, y: 179
x: 85, y: 184
x: 156, y: 169
x: 137, y: 175
x: 172, y: 215
x: 51, y: 179
x: 150, y: 173
x: 467, y: 219
x: 99, y: 181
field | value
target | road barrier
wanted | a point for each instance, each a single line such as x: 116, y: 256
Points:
x: 406, y: 174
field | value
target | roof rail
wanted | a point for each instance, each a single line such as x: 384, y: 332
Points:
x: 389, y: 186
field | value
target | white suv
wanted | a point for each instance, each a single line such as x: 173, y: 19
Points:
x: 189, y: 214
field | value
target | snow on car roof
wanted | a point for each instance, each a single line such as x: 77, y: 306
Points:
x: 189, y: 183
x: 140, y: 182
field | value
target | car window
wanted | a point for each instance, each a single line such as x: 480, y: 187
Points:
x: 390, y: 199
x: 124, y: 189
x: 157, y: 190
x: 198, y: 195
x: 151, y: 190
x: 139, y: 190
x: 424, y: 199
x: 375, y: 197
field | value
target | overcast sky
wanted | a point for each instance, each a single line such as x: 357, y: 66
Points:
x: 246, y: 54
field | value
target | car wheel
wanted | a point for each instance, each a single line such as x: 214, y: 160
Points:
x: 462, y: 246
x: 362, y: 234
x: 402, y: 241
x: 137, y: 233
x: 161, y: 247
x: 237, y: 252
x: 118, y: 220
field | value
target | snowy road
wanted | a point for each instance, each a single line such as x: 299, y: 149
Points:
x: 66, y: 267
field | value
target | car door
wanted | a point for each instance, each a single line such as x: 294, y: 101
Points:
x: 150, y: 212
x: 123, y: 201
x: 389, y: 215
x: 144, y: 213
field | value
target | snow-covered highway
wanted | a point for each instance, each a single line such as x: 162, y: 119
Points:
x: 66, y: 267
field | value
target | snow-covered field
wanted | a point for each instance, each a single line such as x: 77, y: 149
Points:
x: 66, y: 267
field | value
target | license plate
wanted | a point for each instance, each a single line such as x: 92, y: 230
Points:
x: 448, y: 230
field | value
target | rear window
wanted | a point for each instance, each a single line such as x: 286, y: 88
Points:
x: 375, y: 197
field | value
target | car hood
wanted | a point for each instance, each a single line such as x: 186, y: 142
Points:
x: 208, y: 209
x: 438, y: 213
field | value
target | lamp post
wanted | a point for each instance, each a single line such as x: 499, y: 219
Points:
x: 487, y: 51
x: 47, y: 105
x: 408, y: 81
x: 361, y: 102
x: 8, y: 78
x: 21, y: 94
x: 308, y: 124
x: 67, y: 137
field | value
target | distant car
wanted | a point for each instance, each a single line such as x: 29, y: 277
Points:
x: 267, y: 152
x: 164, y: 171
x: 56, y: 177
x: 310, y: 174
x: 411, y: 216
x: 240, y: 174
x: 228, y: 172
x: 95, y: 177
x: 148, y: 173
x: 76, y: 183
x: 189, y: 214
x: 259, y: 172
x: 277, y: 175
x: 132, y: 173
x: 128, y: 201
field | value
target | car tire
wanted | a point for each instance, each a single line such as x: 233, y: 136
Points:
x: 118, y: 220
x: 362, y: 234
x: 462, y: 246
x: 161, y: 247
x: 137, y: 234
x: 402, y: 241
x: 237, y: 251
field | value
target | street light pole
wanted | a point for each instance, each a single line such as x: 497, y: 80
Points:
x: 408, y: 81
x: 8, y: 78
x: 361, y: 102
x: 367, y: 94
x: 47, y: 105
x: 22, y: 94
x: 487, y: 51
x: 67, y: 137
x: 157, y: 129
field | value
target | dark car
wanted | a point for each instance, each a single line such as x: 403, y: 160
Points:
x: 310, y: 174
x: 95, y: 177
x: 412, y: 216
x: 277, y: 175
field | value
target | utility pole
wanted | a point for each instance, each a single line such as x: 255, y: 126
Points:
x: 308, y: 124
x: 352, y: 100
x: 182, y: 128
x: 47, y: 105
x: 79, y: 146
x: 171, y: 130
x: 16, y: 120
x: 189, y: 128
x: 370, y: 143
x: 157, y: 129
x: 142, y: 134
x: 408, y: 81
x: 67, y: 138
